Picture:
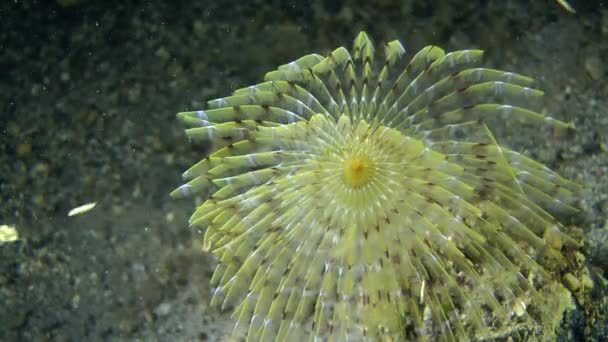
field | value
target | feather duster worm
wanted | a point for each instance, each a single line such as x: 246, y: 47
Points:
x: 359, y: 196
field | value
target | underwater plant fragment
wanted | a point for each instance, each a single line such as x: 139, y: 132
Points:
x: 362, y: 196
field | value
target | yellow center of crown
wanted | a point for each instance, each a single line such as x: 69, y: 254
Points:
x: 357, y: 171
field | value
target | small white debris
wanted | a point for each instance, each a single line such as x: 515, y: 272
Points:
x: 8, y: 234
x: 163, y: 309
x: 82, y: 209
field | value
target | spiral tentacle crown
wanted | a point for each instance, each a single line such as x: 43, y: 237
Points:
x: 359, y: 196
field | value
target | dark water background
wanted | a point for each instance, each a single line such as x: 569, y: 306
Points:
x: 88, y: 96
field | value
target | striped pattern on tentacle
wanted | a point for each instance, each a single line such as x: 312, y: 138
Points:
x: 363, y: 196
